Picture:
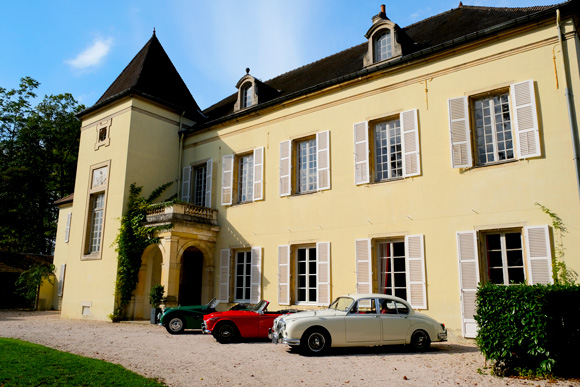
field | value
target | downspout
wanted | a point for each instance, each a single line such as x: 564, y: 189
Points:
x: 179, y: 161
x: 573, y: 128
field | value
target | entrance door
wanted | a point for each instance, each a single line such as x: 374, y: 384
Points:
x: 190, y: 283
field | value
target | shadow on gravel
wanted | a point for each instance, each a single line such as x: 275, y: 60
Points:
x: 396, y: 350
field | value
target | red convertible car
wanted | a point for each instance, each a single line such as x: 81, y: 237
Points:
x: 231, y: 325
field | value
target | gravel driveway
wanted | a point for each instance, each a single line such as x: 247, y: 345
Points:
x: 193, y: 359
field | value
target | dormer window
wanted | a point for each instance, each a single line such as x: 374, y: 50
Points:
x: 247, y: 94
x: 383, y: 46
x: 383, y: 36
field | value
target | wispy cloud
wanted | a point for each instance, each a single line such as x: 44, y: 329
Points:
x: 93, y: 55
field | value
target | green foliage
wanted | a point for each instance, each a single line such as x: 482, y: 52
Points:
x: 29, y: 281
x: 156, y: 295
x: 38, y: 156
x: 131, y: 241
x: 561, y: 274
x: 529, y: 330
x: 27, y: 364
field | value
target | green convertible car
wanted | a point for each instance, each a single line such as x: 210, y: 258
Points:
x: 176, y: 319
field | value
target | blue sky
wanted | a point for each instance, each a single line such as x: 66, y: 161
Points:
x: 80, y: 47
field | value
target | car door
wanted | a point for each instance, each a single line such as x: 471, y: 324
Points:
x: 394, y: 321
x: 362, y: 323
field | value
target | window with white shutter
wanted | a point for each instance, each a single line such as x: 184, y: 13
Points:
x: 256, y: 277
x: 468, y: 280
x: 415, y: 260
x: 259, y: 173
x: 227, y: 179
x: 208, y: 182
x: 363, y: 266
x: 284, y: 275
x: 67, y: 229
x: 361, y: 153
x: 323, y: 270
x: 323, y: 160
x: 186, y: 184
x: 539, y: 255
x: 224, y: 280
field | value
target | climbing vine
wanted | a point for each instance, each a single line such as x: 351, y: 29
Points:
x: 131, y: 241
x: 561, y: 273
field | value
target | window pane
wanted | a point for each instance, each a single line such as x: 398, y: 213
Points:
x: 199, y: 185
x: 513, y: 241
x: 493, y: 129
x: 306, y: 159
x: 493, y: 242
x: 514, y: 258
x: 496, y: 276
x: 516, y: 275
x: 494, y: 259
x: 388, y: 150
x: 246, y: 179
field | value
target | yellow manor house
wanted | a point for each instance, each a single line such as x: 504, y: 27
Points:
x: 419, y: 163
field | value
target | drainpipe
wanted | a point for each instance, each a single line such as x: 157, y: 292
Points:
x: 573, y: 128
x: 179, y: 161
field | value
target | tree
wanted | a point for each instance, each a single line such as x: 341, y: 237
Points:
x: 38, y: 155
x: 29, y: 282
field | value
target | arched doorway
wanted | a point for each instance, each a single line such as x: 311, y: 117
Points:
x: 149, y: 275
x: 190, y: 281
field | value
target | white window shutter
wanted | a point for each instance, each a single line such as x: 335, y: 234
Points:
x: 224, y: 291
x: 61, y: 275
x: 284, y: 275
x: 539, y: 255
x: 323, y: 273
x: 468, y: 280
x: 361, y: 153
x: 227, y: 179
x: 208, y: 181
x: 256, y: 275
x: 364, y: 270
x: 459, y: 133
x: 67, y: 229
x: 323, y: 160
x: 415, y: 265
x: 410, y: 137
x: 525, y: 119
x: 259, y: 173
x: 285, y: 168
x: 186, y: 184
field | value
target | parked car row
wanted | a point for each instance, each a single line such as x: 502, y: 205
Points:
x: 353, y: 320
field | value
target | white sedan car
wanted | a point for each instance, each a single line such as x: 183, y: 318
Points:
x: 357, y: 320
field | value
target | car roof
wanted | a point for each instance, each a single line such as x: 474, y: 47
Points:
x: 358, y: 296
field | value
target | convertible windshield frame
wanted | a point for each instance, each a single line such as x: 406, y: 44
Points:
x: 342, y: 304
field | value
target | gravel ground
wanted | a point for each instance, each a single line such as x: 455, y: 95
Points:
x: 193, y: 359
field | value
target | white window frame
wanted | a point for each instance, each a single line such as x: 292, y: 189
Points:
x: 246, y: 274
x: 231, y: 172
x: 189, y: 183
x: 381, y: 36
x: 99, y: 175
x: 504, y: 256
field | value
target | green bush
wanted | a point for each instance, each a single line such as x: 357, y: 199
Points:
x: 529, y: 330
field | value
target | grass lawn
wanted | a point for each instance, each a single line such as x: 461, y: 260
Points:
x: 26, y: 364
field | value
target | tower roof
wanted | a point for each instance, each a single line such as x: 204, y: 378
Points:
x: 151, y: 75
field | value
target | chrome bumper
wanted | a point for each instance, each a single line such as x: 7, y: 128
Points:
x: 204, y: 329
x: 275, y: 337
x: 442, y: 336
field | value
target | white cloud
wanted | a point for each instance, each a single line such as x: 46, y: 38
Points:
x: 93, y: 55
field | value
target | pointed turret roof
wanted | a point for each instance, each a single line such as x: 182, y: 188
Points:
x: 151, y: 74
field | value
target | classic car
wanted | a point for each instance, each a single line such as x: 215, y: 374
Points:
x: 358, y: 320
x: 235, y: 324
x: 176, y: 319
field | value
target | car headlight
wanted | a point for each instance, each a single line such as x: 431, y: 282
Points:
x: 214, y: 319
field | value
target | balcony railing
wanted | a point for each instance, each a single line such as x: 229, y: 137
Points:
x: 168, y: 213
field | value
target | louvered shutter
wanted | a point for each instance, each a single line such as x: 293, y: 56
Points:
x: 323, y: 273
x: 285, y: 168
x: 415, y: 265
x: 459, y: 133
x: 361, y: 153
x: 224, y: 291
x: 61, y: 275
x: 410, y: 137
x: 256, y: 275
x: 525, y: 119
x: 208, y: 181
x: 323, y: 160
x: 186, y: 184
x: 227, y: 179
x: 259, y: 173
x: 284, y: 275
x: 539, y: 255
x: 364, y: 282
x: 468, y: 280
x: 67, y: 229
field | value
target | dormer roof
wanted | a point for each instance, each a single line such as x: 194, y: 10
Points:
x: 151, y: 75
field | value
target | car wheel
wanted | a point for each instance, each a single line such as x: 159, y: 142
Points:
x: 315, y: 342
x: 225, y: 333
x: 175, y: 325
x: 420, y: 341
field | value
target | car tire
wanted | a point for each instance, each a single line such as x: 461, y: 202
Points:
x: 225, y: 333
x: 315, y: 342
x: 175, y: 325
x: 420, y: 340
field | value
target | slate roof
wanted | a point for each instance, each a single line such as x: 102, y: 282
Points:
x: 451, y: 28
x: 151, y: 74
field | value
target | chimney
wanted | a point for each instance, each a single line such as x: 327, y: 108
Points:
x: 383, y: 9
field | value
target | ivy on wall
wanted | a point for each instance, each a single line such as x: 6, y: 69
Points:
x: 132, y: 240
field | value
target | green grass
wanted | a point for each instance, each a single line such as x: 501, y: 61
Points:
x: 26, y: 364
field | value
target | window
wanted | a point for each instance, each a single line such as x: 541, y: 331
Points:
x: 67, y: 228
x: 247, y: 94
x: 310, y: 159
x: 97, y: 208
x: 507, y: 256
x: 393, y: 145
x: 394, y: 266
x: 246, y: 282
x: 500, y: 126
x: 383, y: 46
x: 243, y: 276
x: 242, y: 177
x: 197, y: 183
x: 103, y: 133
x: 304, y: 274
x: 96, y: 204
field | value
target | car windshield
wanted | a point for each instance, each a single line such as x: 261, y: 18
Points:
x: 342, y: 304
x: 260, y: 306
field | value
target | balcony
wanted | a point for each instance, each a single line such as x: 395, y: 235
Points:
x: 180, y: 213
